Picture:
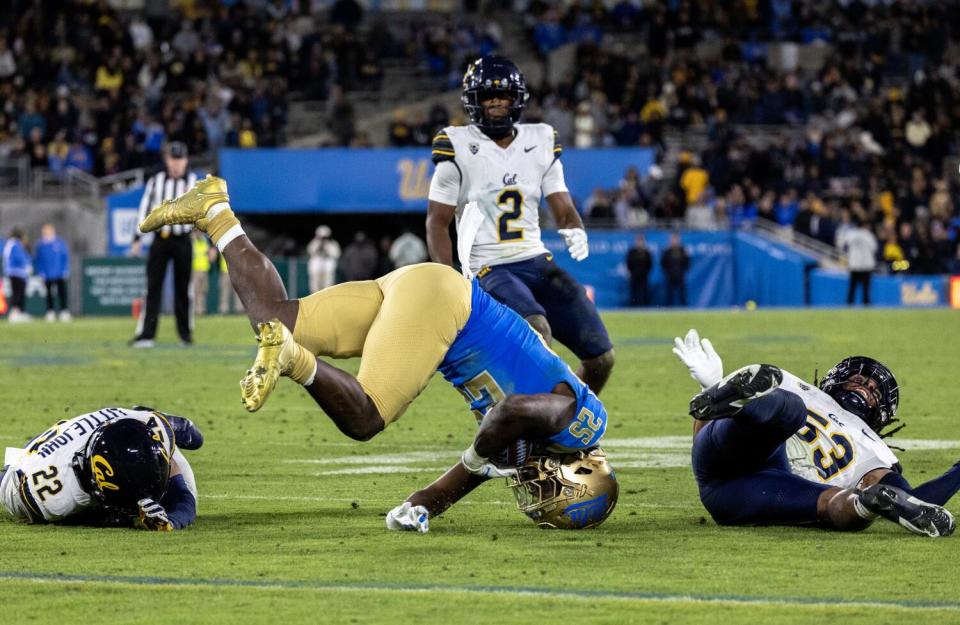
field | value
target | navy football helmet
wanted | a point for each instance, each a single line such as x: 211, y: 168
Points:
x: 123, y: 462
x: 485, y: 77
x: 838, y: 384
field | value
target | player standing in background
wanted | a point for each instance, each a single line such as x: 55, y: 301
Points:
x: 114, y: 466
x: 491, y: 175
x: 771, y: 449
x: 51, y: 261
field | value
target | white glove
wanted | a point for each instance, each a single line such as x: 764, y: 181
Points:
x: 152, y: 516
x: 700, y: 357
x: 408, y: 518
x: 576, y: 240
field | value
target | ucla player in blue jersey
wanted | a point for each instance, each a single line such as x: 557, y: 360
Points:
x: 404, y: 326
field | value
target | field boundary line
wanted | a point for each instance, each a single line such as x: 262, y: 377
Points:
x: 552, y: 593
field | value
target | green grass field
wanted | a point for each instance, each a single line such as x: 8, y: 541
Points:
x: 291, y: 526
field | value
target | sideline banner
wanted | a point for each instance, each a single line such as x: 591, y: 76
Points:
x: 344, y: 180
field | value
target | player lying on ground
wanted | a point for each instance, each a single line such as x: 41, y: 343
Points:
x: 115, y: 466
x: 771, y: 449
x: 405, y: 325
x: 557, y: 490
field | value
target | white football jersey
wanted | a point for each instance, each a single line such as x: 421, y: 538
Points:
x: 41, y: 484
x: 507, y: 184
x: 835, y: 446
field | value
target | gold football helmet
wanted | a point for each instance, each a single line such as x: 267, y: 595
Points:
x: 573, y: 491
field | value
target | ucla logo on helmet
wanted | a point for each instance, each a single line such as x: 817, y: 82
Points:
x: 587, y: 511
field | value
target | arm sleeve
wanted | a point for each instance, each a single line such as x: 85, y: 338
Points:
x: 445, y: 184
x: 553, y: 181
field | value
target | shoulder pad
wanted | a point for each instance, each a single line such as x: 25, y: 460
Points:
x: 557, y: 147
x: 442, y: 148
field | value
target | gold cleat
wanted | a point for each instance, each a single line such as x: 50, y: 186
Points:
x: 189, y: 208
x: 274, y: 358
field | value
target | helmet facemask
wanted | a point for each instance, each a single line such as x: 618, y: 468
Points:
x: 575, y: 491
x: 489, y: 77
x: 855, y: 381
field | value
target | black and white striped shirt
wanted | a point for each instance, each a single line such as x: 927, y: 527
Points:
x: 161, y: 187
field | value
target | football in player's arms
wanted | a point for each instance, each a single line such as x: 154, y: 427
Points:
x: 114, y: 466
x: 771, y: 449
x: 490, y: 176
x: 405, y: 326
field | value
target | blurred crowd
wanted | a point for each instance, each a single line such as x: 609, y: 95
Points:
x: 865, y: 132
x: 84, y: 85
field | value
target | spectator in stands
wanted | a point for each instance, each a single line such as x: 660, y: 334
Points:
x: 639, y: 265
x: 675, y: 262
x: 342, y: 123
x: 323, y: 252
x: 16, y: 266
x: 860, y: 246
x: 408, y: 249
x: 51, y: 261
x: 359, y: 259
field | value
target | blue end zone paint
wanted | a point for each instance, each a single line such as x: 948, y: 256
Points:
x: 626, y: 595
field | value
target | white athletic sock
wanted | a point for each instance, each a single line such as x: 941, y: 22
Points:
x: 228, y: 236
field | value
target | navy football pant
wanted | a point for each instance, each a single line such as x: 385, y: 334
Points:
x: 538, y: 286
x: 740, y: 464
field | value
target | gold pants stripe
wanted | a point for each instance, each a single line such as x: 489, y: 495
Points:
x: 401, y: 325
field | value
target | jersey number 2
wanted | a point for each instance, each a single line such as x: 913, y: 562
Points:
x: 511, y: 202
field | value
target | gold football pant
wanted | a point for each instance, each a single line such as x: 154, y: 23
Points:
x: 401, y: 324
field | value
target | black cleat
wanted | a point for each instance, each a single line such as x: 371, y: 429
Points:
x: 919, y: 517
x: 728, y: 396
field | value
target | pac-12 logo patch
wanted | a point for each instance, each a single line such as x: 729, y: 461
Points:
x: 474, y: 148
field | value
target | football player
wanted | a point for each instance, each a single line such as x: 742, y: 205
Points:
x: 490, y: 176
x: 771, y: 449
x: 406, y: 325
x: 114, y: 466
x: 556, y: 490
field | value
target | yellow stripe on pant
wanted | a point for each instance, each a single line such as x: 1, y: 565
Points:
x: 401, y: 325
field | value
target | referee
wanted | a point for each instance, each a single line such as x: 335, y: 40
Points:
x: 169, y: 243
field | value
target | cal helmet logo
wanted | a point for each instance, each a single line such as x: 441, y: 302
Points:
x: 101, y: 471
x: 474, y: 148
